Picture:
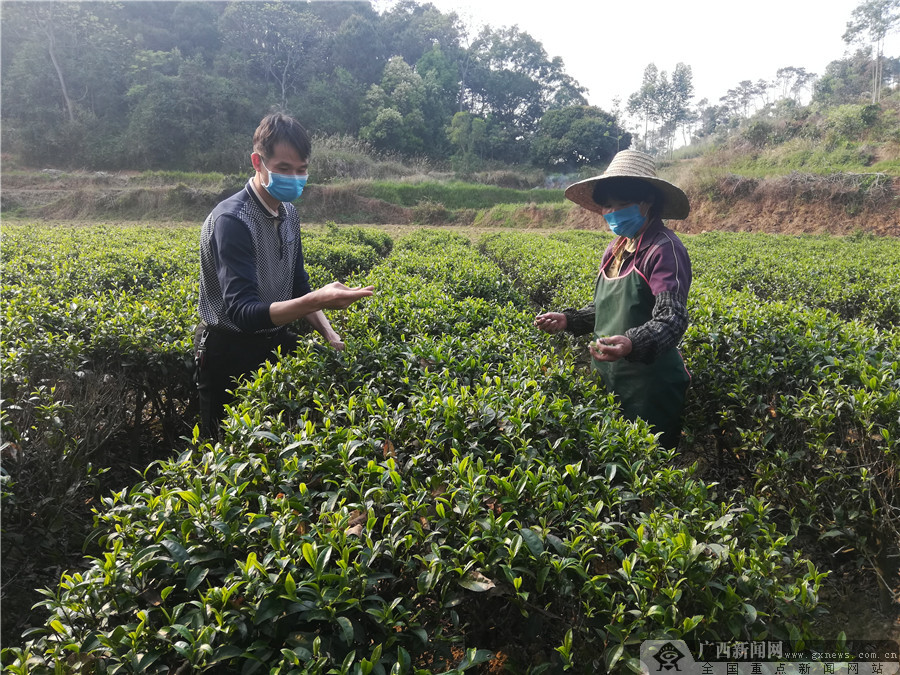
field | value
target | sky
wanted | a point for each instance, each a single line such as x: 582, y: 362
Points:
x: 605, y: 45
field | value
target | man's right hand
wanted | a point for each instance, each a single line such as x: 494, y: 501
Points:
x: 551, y: 322
x: 333, y: 296
x: 339, y: 296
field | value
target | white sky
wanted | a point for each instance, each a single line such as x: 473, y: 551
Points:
x: 606, y: 45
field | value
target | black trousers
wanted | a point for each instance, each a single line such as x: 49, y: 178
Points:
x: 224, y: 358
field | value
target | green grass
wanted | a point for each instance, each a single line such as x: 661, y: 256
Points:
x: 808, y: 157
x: 456, y: 195
x: 890, y: 167
x: 519, y: 216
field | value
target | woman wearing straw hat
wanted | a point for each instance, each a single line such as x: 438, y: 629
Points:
x: 639, y: 313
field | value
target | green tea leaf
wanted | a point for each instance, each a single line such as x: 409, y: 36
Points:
x: 346, y: 629
x: 532, y: 540
x: 268, y: 609
x: 176, y: 550
x: 612, y: 655
x: 195, y: 577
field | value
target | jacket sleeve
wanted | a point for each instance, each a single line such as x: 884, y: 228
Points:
x: 667, y: 268
x: 580, y: 321
x: 301, y: 277
x: 232, y: 249
x: 664, y: 330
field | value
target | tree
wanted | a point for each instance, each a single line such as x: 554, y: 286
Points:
x: 196, y: 29
x: 739, y: 99
x: 510, y: 82
x: 678, y: 113
x: 392, y: 111
x: 191, y: 120
x: 763, y: 90
x: 64, y: 76
x: 467, y: 134
x: 845, y: 80
x: 642, y: 103
x: 282, y: 44
x: 84, y: 53
x: 412, y: 29
x: 83, y: 80
x: 580, y: 135
x: 50, y: 20
x: 872, y: 21
x: 332, y: 104
x: 440, y: 77
x: 359, y: 49
x: 891, y: 72
x: 711, y: 118
x: 791, y: 81
x: 563, y: 90
x: 665, y: 103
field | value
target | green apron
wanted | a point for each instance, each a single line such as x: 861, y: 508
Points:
x: 652, y: 391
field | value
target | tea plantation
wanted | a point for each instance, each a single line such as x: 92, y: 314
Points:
x: 455, y: 491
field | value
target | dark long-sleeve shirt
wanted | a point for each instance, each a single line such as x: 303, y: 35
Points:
x: 663, y: 262
x: 249, y: 259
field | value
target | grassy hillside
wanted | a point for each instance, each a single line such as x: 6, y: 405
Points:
x: 791, y: 169
x: 798, y: 169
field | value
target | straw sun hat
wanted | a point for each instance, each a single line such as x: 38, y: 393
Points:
x: 640, y: 167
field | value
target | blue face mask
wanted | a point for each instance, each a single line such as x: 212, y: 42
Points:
x: 626, y: 222
x: 284, y: 187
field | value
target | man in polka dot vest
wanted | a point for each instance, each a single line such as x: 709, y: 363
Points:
x: 252, y: 279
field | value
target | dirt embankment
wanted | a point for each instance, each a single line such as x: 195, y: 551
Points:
x: 839, y: 204
x: 53, y: 195
x: 787, y: 205
x: 774, y: 217
x: 797, y: 204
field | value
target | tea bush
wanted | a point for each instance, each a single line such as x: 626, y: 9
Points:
x: 856, y: 278
x: 808, y: 403
x: 375, y: 239
x: 793, y: 347
x: 442, y: 491
x: 97, y: 367
x: 547, y: 269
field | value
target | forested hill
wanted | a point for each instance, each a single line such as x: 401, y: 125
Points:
x: 168, y: 85
x: 144, y: 109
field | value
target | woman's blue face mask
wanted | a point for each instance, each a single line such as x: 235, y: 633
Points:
x: 626, y: 222
x: 284, y: 187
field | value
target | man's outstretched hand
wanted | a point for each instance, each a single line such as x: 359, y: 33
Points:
x: 339, y: 296
x: 333, y: 296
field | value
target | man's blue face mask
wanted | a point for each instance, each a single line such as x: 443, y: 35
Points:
x: 626, y: 222
x: 284, y: 187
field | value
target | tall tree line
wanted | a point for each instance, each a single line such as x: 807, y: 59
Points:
x: 181, y: 85
x: 662, y: 105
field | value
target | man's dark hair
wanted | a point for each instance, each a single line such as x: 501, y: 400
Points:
x: 626, y: 189
x: 280, y: 128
